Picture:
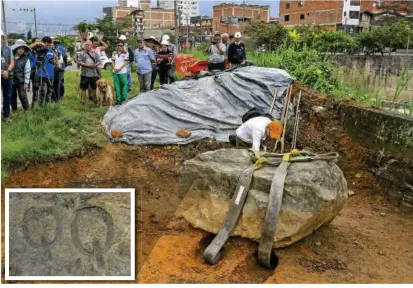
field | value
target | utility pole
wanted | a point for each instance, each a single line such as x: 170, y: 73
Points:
x: 176, y: 25
x: 35, y: 21
x: 337, y: 1
x: 4, y: 21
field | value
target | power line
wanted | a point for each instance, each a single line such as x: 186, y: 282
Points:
x: 32, y: 23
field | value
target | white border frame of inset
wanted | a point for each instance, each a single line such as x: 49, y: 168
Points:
x: 70, y: 190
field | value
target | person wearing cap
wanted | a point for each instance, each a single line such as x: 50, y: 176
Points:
x: 144, y: 59
x: 236, y: 51
x: 21, y: 75
x: 46, y: 69
x: 7, y: 66
x: 154, y: 45
x: 120, y: 60
x: 216, y: 53
x: 172, y: 49
x: 256, y: 130
x: 165, y: 64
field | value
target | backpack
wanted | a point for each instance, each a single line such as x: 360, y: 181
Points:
x: 131, y: 56
x: 255, y: 112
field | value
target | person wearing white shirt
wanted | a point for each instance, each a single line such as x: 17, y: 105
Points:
x: 120, y: 60
x: 256, y: 130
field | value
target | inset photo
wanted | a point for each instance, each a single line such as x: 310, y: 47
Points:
x: 70, y: 234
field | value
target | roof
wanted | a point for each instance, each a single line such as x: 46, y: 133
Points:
x: 242, y: 5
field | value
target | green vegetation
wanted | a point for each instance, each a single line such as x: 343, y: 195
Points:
x: 44, y: 132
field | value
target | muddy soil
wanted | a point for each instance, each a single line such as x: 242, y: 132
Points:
x: 371, y: 241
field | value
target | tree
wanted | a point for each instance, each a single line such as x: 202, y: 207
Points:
x: 107, y: 27
x: 15, y: 36
x: 272, y: 35
x: 335, y: 41
x: 29, y: 34
x: 68, y: 41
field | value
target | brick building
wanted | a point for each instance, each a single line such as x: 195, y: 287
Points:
x: 331, y: 14
x: 152, y: 17
x: 229, y: 17
x: 201, y: 25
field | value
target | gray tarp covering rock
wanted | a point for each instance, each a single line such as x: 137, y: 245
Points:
x: 314, y: 193
x: 210, y: 107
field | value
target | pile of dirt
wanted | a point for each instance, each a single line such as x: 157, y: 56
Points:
x: 346, y: 251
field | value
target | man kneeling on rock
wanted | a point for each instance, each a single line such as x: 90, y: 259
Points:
x: 254, y: 131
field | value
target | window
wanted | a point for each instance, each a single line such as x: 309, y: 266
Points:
x: 287, y: 6
x: 354, y: 14
x: 286, y: 18
x: 345, y: 13
x: 355, y: 2
x: 300, y: 3
x: 302, y: 16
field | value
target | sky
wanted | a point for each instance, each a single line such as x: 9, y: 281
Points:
x: 72, y: 12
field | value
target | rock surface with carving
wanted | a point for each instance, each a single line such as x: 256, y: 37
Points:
x: 314, y: 194
x: 70, y: 234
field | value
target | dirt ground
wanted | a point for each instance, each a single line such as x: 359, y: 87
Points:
x: 371, y: 241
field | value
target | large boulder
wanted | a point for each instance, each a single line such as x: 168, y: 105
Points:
x: 314, y: 194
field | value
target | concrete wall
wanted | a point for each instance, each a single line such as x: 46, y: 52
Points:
x: 389, y: 139
x: 377, y: 72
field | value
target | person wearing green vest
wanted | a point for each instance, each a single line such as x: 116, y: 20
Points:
x: 120, y: 60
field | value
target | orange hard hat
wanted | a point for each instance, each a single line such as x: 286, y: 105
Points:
x: 276, y: 128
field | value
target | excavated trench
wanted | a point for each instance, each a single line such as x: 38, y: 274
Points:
x: 369, y: 242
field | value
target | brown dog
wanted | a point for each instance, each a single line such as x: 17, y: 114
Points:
x: 104, y: 92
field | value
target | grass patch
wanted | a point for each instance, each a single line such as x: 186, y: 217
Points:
x: 44, y: 132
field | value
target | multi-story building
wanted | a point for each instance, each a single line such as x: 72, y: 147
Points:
x: 340, y: 14
x: 186, y: 9
x: 230, y: 17
x: 129, y: 3
x: 166, y: 4
x: 141, y: 15
x: 201, y: 25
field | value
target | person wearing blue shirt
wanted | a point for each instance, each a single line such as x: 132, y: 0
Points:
x: 58, y: 83
x: 33, y: 79
x: 7, y: 66
x: 144, y: 59
x: 46, y: 69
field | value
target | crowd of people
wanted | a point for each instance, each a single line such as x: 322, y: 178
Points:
x: 152, y: 58
x: 39, y: 66
x: 226, y: 50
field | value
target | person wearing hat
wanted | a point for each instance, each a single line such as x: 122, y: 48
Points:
x: 236, y: 51
x: 154, y: 45
x: 172, y: 49
x: 144, y: 59
x: 165, y: 64
x: 7, y: 65
x: 21, y: 75
x: 256, y: 130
